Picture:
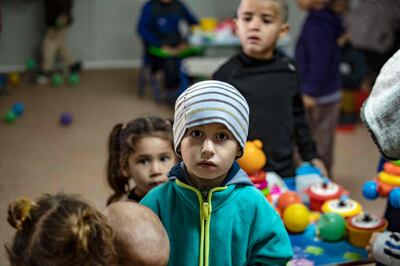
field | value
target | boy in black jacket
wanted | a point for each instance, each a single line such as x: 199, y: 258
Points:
x: 269, y: 83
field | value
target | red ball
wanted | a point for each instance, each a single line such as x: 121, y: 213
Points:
x: 287, y: 198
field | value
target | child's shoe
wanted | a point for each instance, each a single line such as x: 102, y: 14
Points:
x: 76, y: 67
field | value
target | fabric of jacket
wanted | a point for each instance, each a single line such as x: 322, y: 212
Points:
x: 55, y: 8
x: 159, y: 22
x: 228, y: 225
x: 276, y: 109
x: 318, y: 56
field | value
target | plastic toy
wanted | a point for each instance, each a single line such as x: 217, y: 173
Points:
x: 66, y: 119
x: 387, y: 184
x: 331, y: 227
x: 288, y: 198
x: 18, y: 109
x: 57, y: 80
x: 307, y: 175
x: 362, y: 226
x: 30, y: 64
x: 296, y: 217
x: 14, y: 79
x: 74, y: 79
x: 344, y: 206
x: 321, y: 192
x: 10, y: 117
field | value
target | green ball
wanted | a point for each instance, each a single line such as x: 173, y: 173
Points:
x: 396, y: 162
x: 74, y: 79
x: 57, y: 80
x: 30, y: 64
x: 10, y: 117
x: 331, y: 227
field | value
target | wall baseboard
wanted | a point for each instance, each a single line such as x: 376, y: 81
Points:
x: 106, y: 64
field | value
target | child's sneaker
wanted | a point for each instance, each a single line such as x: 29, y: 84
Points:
x: 76, y: 67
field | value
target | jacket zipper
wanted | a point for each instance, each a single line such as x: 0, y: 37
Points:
x: 204, y: 219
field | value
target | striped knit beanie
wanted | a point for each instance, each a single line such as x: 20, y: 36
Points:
x: 209, y: 102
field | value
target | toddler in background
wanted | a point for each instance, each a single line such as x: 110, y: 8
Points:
x: 141, y: 150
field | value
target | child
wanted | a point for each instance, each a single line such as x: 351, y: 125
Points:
x: 318, y: 55
x: 140, y: 238
x: 211, y: 211
x: 141, y: 150
x: 381, y: 115
x: 59, y: 230
x: 58, y: 21
x: 159, y: 27
x: 268, y: 81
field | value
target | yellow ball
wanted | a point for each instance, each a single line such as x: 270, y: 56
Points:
x: 296, y: 218
x: 14, y: 79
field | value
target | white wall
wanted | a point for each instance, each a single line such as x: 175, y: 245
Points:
x: 104, y: 31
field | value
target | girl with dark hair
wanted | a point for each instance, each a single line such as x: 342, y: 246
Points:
x: 141, y: 150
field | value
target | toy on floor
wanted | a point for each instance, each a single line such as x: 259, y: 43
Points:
x: 66, y: 119
x: 18, y: 108
x: 3, y: 84
x: 30, y: 64
x: 331, y: 227
x: 362, y: 226
x: 14, y: 79
x: 307, y: 175
x: 10, y: 117
x: 296, y: 217
x: 252, y: 162
x: 57, y: 80
x: 387, y: 184
x: 321, y: 192
x: 344, y: 206
x: 74, y: 79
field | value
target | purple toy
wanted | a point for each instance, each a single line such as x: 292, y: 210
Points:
x: 65, y: 119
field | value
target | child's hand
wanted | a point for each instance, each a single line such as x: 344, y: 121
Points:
x: 371, y: 243
x: 320, y: 165
x: 309, y: 102
x: 173, y: 51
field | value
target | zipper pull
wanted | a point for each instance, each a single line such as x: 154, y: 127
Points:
x: 205, y: 211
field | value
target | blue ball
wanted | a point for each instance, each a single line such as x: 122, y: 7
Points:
x: 18, y: 109
x: 394, y: 197
x: 66, y: 119
x: 370, y: 190
x: 3, y: 80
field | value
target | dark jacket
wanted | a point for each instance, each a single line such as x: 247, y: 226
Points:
x: 55, y: 8
x: 276, y: 108
x: 318, y: 55
x: 159, y: 22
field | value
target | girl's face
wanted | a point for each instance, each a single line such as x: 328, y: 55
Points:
x: 149, y: 164
x: 208, y: 152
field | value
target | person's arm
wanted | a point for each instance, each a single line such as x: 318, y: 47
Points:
x: 144, y: 27
x: 318, y: 59
x: 270, y: 240
x: 386, y: 248
x: 189, y: 16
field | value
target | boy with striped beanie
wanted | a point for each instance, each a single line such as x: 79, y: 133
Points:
x: 211, y: 211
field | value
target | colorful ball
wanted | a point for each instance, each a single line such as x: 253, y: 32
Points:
x: 30, y: 64
x: 18, y: 109
x: 296, y: 217
x: 287, y: 198
x: 57, y: 80
x: 66, y: 119
x: 331, y: 227
x: 10, y: 117
x: 394, y: 197
x: 14, y: 79
x: 74, y: 79
x: 370, y: 190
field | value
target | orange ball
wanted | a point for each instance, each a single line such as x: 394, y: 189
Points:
x: 287, y: 198
x: 253, y: 158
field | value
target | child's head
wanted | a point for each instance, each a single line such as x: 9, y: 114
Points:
x: 140, y: 237
x: 339, y: 6
x: 259, y: 25
x: 210, y: 130
x: 59, y: 230
x: 308, y: 5
x: 141, y: 150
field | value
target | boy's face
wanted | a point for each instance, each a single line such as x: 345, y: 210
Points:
x: 259, y: 24
x: 208, y: 152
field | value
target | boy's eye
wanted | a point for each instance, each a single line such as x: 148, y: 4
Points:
x: 222, y: 136
x: 165, y: 158
x: 196, y: 133
x: 143, y: 161
x: 246, y: 18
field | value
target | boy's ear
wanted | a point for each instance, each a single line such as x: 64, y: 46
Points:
x: 235, y: 26
x: 239, y: 152
x: 284, y: 30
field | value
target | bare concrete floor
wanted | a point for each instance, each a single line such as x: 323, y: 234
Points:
x: 38, y: 156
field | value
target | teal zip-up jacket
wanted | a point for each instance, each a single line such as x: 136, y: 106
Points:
x: 228, y: 225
